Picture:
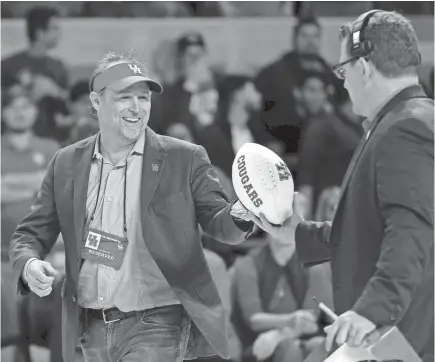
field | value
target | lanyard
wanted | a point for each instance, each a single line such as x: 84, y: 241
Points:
x: 125, y: 193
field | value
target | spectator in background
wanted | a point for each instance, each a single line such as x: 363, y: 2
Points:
x: 235, y: 123
x: 45, y: 77
x: 193, y: 98
x: 239, y: 114
x: 75, y: 121
x: 24, y: 159
x: 274, y: 313
x: 33, y: 68
x: 54, y: 120
x: 277, y: 83
x: 327, y: 143
x: 84, y: 124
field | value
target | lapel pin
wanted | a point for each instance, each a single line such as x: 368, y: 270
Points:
x: 155, y: 167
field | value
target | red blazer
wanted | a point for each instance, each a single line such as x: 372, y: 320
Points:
x: 381, y: 240
x: 182, y: 193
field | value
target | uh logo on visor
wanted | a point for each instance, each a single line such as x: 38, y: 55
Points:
x: 124, y: 71
x: 135, y: 69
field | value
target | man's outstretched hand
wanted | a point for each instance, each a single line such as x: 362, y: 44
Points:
x: 284, y: 232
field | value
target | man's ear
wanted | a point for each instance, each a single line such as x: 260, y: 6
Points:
x: 365, y: 69
x: 95, y: 100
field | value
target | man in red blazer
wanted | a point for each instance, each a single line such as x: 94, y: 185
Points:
x: 128, y: 203
x: 381, y: 240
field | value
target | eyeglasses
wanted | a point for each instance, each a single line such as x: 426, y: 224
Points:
x: 338, y: 69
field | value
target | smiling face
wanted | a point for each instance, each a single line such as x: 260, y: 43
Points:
x: 125, y: 113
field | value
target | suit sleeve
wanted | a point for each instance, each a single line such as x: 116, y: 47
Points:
x: 312, y: 242
x: 405, y: 179
x: 211, y: 202
x: 313, y: 150
x: 36, y: 234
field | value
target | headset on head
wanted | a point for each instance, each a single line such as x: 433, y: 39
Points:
x: 360, y: 47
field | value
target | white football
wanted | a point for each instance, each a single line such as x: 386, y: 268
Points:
x: 263, y: 183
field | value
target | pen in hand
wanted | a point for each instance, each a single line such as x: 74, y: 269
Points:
x: 326, y: 309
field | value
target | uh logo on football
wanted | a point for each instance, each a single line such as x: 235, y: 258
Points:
x: 283, y: 171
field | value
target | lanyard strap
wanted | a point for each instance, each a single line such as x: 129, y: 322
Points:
x: 125, y: 194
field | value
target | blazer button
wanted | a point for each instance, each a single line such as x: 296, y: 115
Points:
x: 74, y: 298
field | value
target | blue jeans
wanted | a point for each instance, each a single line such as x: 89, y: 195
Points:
x: 155, y: 335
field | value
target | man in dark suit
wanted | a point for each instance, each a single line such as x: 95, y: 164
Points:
x: 128, y: 202
x: 380, y: 242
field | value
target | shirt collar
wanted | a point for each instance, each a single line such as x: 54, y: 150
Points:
x: 138, y: 146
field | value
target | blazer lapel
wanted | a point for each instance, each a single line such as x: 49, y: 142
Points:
x: 352, y: 164
x: 407, y: 93
x: 82, y: 162
x: 152, y: 169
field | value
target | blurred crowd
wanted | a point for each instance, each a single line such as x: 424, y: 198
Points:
x: 180, y: 9
x: 295, y: 106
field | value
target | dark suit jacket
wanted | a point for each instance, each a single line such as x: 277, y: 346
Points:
x: 182, y: 193
x: 382, y: 237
